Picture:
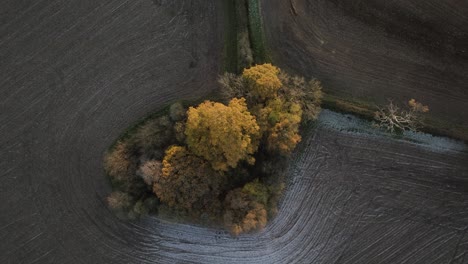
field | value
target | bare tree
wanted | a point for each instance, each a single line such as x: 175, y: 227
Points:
x: 394, y: 118
x: 232, y: 86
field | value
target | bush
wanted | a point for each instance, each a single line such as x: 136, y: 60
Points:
x: 177, y: 112
x: 140, y: 209
x: 119, y: 201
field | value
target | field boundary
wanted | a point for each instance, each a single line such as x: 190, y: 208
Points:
x: 257, y: 37
x: 362, y: 108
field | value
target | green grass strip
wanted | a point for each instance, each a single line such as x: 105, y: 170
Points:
x: 256, y: 35
x: 230, y: 37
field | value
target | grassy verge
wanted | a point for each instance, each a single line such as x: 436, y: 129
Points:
x: 230, y: 38
x: 257, y: 38
x: 365, y: 110
x: 244, y: 38
x: 236, y: 17
x: 439, y: 127
x: 341, y: 105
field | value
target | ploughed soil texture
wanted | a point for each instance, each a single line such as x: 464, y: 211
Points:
x: 377, y: 50
x: 75, y: 74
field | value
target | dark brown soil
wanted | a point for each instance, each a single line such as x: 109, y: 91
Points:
x: 377, y: 50
x: 76, y: 73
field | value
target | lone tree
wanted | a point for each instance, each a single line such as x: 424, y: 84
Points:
x: 223, y: 135
x: 395, y: 119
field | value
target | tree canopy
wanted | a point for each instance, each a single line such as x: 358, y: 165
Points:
x: 307, y: 94
x: 223, y: 135
x: 186, y: 181
x: 280, y: 113
x: 246, y: 208
x: 264, y: 81
x: 189, y: 163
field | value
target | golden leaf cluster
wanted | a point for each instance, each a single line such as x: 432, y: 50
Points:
x: 222, y: 135
x: 264, y: 79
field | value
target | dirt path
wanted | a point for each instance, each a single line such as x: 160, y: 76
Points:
x: 374, y: 50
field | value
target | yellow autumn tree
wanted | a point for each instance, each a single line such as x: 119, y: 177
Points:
x: 279, y: 121
x: 223, y: 135
x: 263, y: 80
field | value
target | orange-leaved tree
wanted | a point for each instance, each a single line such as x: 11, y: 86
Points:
x: 223, y: 135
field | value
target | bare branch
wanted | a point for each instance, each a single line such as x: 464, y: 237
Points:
x: 395, y: 119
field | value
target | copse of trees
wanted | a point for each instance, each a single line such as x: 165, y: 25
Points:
x: 280, y: 103
x: 222, y: 161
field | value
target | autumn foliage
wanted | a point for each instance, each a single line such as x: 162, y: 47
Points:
x: 281, y: 110
x: 118, y: 163
x: 280, y: 122
x: 264, y: 80
x: 187, y: 181
x: 201, y: 162
x: 223, y: 135
x: 246, y: 208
